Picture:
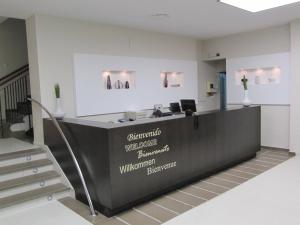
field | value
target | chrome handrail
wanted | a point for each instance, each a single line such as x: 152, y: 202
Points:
x: 93, y: 212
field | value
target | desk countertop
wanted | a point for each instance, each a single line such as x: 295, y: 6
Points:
x: 111, y: 125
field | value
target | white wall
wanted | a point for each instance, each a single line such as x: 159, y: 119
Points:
x: 55, y: 40
x: 275, y: 122
x: 261, y: 42
x: 208, y: 72
x: 263, y: 94
x: 146, y: 90
x: 13, y: 46
x: 295, y: 84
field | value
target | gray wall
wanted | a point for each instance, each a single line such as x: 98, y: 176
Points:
x: 13, y: 46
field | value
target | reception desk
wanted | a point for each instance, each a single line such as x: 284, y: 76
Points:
x: 125, y: 164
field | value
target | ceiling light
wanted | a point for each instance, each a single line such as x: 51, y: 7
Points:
x: 161, y: 15
x: 258, y: 5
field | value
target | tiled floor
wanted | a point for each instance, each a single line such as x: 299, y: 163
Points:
x: 272, y: 198
x: 52, y: 213
x: 8, y: 145
x: 163, y: 209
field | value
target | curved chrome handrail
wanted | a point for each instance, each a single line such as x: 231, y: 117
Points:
x: 93, y: 212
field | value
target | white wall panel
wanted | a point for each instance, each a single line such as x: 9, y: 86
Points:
x: 92, y: 98
x: 266, y: 94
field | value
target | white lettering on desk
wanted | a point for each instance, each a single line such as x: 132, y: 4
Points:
x: 132, y: 167
x: 140, y: 145
x: 138, y: 136
x: 152, y: 170
x: 144, y: 154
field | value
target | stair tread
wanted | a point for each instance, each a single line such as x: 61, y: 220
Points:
x: 19, y: 154
x: 23, y: 166
x: 13, y: 183
x: 32, y: 195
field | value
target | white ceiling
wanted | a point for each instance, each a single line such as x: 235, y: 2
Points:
x: 196, y: 18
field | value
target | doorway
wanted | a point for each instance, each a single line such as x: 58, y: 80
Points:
x: 15, y: 109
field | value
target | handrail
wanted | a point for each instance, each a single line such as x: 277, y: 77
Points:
x: 93, y: 212
x: 15, y: 76
x: 25, y: 67
x: 13, y: 79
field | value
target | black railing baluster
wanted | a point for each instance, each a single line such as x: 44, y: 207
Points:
x: 1, y: 118
x: 5, y: 102
x: 24, y: 87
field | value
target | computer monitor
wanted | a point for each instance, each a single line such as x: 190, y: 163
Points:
x: 175, y: 107
x: 188, y: 104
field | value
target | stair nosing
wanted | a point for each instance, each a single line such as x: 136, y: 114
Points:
x: 27, y: 180
x: 32, y: 195
x: 20, y: 154
x: 24, y: 166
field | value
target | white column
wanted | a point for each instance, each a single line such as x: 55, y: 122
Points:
x: 34, y: 79
x: 295, y: 87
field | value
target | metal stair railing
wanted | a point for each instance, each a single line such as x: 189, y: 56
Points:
x: 56, y: 124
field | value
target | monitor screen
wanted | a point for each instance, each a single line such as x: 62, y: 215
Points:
x: 188, y: 104
x: 175, y: 107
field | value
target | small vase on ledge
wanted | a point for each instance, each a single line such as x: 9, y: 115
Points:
x: 59, y: 113
x: 246, y: 101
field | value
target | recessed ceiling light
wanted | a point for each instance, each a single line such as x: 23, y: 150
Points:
x: 258, y: 5
x: 160, y: 15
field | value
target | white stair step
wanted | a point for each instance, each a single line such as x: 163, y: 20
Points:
x: 29, y: 187
x: 20, y: 154
x: 27, y: 172
x: 24, y: 166
x: 23, y: 159
x: 14, y: 183
x: 33, y: 195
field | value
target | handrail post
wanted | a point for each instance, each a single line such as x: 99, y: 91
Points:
x: 56, y: 124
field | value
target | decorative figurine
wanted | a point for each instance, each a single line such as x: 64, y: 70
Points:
x: 166, y: 80
x: 108, y: 83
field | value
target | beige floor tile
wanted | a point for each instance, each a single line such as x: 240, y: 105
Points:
x: 270, y: 160
x: 186, y: 198
x: 157, y: 212
x: 112, y: 221
x: 238, y: 173
x: 248, y: 169
x: 281, y: 151
x: 258, y: 166
x: 199, y: 192
x: 232, y: 178
x: 222, y: 182
x: 263, y: 163
x: 173, y: 204
x: 277, y: 156
x: 215, y: 188
x: 284, y: 158
x: 135, y: 218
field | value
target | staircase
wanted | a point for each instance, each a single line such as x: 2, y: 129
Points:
x: 14, y: 107
x: 28, y: 177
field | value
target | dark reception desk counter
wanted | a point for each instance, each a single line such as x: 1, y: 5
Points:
x: 127, y: 164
